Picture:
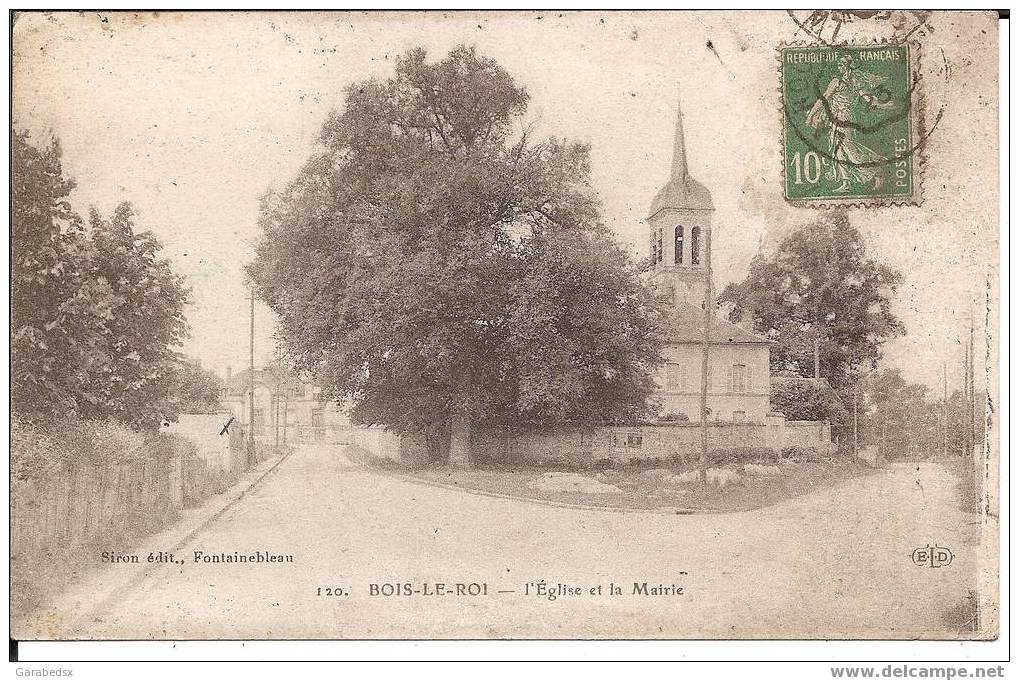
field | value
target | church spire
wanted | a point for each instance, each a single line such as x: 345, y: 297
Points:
x: 679, y: 170
x: 681, y: 192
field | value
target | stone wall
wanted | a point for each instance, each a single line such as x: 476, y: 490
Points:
x: 648, y: 442
x: 619, y: 444
x: 383, y: 444
x: 807, y: 434
x: 203, y: 430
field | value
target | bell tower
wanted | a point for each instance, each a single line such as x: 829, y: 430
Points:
x: 679, y: 222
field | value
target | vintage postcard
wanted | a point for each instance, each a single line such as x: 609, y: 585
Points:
x: 504, y: 325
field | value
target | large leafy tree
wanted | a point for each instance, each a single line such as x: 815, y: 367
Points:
x: 807, y: 401
x: 94, y: 312
x: 193, y: 389
x: 897, y: 416
x: 54, y: 333
x: 903, y: 418
x: 144, y: 304
x: 444, y: 270
x: 820, y: 285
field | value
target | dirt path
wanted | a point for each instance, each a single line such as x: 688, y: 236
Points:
x: 831, y: 564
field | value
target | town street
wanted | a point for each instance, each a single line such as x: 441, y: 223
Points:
x: 845, y: 550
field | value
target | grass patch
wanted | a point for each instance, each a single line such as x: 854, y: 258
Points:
x: 664, y: 488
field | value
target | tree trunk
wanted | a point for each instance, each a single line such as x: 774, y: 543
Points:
x: 437, y: 442
x: 460, y: 442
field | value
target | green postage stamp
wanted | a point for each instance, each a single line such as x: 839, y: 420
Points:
x: 850, y: 124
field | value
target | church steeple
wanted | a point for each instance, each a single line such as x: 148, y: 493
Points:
x: 680, y: 222
x: 682, y: 192
x: 679, y: 170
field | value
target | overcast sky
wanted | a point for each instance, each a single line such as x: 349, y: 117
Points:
x: 193, y: 117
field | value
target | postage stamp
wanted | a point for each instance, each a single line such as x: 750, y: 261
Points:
x: 850, y: 124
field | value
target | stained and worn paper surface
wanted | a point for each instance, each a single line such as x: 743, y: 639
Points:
x: 774, y: 495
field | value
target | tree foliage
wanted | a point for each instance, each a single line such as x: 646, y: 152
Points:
x: 94, y: 311
x: 192, y: 389
x: 432, y: 261
x: 51, y: 338
x: 821, y: 285
x: 800, y: 400
x: 903, y: 418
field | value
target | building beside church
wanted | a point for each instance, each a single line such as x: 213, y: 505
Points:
x: 680, y: 224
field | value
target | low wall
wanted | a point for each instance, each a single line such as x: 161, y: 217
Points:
x: 203, y: 430
x: 677, y: 441
x: 381, y: 443
x: 807, y: 434
x: 648, y: 442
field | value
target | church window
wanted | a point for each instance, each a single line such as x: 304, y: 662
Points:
x: 739, y: 378
x: 657, y: 251
x: 679, y: 245
x: 675, y: 376
x: 695, y: 246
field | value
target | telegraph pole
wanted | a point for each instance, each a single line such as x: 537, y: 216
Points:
x: 944, y: 409
x: 708, y: 305
x: 286, y: 411
x: 817, y: 358
x: 971, y: 429
x: 251, y: 383
x: 856, y: 432
x: 276, y: 415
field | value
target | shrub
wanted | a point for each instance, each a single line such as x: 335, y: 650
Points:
x: 798, y: 453
x: 740, y: 456
x: 37, y: 451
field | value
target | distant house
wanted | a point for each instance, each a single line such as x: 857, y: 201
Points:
x: 296, y: 407
x: 738, y: 366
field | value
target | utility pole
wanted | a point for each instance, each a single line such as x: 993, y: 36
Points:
x: 976, y: 463
x: 856, y: 434
x: 251, y: 383
x: 286, y: 410
x: 971, y: 429
x: 708, y: 305
x: 944, y: 409
x: 817, y: 358
x: 276, y: 417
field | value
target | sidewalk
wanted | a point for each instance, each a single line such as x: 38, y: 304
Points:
x: 102, y: 587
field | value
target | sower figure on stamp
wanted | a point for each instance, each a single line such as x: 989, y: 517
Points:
x: 847, y: 96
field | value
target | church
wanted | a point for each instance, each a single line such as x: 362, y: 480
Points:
x: 739, y: 385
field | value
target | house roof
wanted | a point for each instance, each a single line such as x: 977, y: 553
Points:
x: 686, y: 325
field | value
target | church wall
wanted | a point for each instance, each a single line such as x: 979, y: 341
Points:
x: 683, y: 396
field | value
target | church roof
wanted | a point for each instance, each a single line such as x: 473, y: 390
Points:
x: 686, y: 325
x: 681, y: 192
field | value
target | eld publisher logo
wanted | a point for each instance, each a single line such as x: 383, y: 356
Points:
x: 932, y: 556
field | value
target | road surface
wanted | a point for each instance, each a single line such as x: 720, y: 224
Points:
x: 831, y: 564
